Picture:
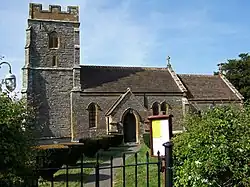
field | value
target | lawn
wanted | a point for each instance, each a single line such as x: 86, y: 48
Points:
x: 141, y: 170
x: 74, y: 176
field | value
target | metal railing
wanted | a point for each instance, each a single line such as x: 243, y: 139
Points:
x: 162, y: 168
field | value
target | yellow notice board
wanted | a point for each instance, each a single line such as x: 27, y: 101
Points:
x: 156, y: 128
x: 160, y: 134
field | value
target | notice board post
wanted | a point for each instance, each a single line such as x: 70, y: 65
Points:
x: 160, y: 140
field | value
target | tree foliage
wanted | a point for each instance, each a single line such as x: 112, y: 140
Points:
x: 237, y: 72
x: 16, y: 140
x: 215, y: 149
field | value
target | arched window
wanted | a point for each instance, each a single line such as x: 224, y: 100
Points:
x: 53, y: 40
x: 93, y: 112
x: 155, y: 108
x: 164, y: 108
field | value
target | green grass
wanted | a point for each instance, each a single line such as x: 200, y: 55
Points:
x: 75, y: 174
x: 142, y: 176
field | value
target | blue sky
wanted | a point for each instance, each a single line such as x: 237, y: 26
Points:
x: 197, y: 34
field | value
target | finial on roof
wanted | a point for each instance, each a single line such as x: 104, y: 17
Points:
x: 128, y: 89
x: 168, y: 62
x: 220, y: 68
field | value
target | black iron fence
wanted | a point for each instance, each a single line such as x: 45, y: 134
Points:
x: 163, y: 165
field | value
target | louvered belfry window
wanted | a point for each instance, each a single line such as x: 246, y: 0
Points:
x: 53, y: 40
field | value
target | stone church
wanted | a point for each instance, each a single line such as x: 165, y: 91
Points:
x: 75, y: 101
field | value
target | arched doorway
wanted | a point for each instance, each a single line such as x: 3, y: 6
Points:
x: 129, y: 127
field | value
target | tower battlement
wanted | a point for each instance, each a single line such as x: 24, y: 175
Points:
x: 54, y: 13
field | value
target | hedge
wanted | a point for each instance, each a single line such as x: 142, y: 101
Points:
x: 51, y: 156
x: 105, y: 142
x: 91, y: 145
x: 75, y: 152
x: 116, y: 140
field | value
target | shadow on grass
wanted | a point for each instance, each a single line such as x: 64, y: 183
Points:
x: 115, y: 152
x: 89, y: 174
x: 91, y: 165
x: 87, y: 178
x: 111, y: 152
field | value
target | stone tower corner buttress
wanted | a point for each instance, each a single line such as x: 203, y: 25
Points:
x: 52, y: 65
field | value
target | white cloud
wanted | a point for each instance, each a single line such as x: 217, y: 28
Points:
x: 113, y: 34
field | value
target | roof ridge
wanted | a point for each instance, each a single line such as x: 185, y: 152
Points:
x: 124, y: 67
x: 177, y: 80
x: 231, y: 87
x: 204, y: 75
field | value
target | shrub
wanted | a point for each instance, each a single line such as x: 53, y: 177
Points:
x: 91, y: 145
x: 105, y: 142
x: 116, y: 140
x: 75, y: 152
x: 16, y: 139
x: 83, y: 140
x: 215, y: 149
x: 51, y: 156
x: 146, y: 139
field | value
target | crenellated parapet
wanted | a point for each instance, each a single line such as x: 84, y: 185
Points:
x: 54, y: 13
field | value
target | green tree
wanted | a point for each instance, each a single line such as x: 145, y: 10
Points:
x: 16, y: 140
x: 215, y: 149
x: 237, y: 72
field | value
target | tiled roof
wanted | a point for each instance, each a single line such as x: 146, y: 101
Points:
x: 147, y: 79
x: 207, y: 87
x: 118, y: 79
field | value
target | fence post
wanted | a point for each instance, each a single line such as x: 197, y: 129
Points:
x: 97, y: 172
x: 82, y: 170
x: 168, y: 164
x: 123, y: 169
x: 111, y: 171
x: 37, y: 171
x: 136, y: 164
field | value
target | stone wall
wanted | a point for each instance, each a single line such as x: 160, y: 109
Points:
x: 80, y: 113
x: 80, y: 104
x: 50, y: 85
x: 40, y: 53
x: 175, y: 109
x: 51, y: 96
